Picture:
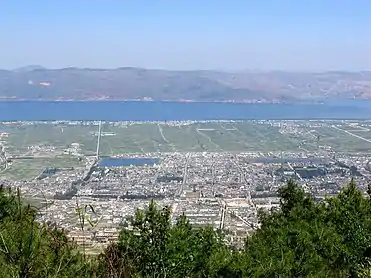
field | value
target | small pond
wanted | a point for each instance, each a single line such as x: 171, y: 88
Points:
x: 122, y: 162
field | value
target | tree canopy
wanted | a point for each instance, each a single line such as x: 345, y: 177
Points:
x: 304, y: 238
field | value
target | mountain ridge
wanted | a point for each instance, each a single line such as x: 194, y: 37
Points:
x: 132, y: 83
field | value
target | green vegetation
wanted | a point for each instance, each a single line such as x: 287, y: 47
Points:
x: 37, y: 146
x: 303, y: 239
x: 341, y: 141
x: 28, y: 249
x: 142, y: 138
x: 30, y: 168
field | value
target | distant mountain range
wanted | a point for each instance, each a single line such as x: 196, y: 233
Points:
x: 128, y: 83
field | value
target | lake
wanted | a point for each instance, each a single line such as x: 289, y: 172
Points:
x: 176, y: 111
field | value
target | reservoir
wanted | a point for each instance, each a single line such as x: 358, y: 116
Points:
x: 124, y: 162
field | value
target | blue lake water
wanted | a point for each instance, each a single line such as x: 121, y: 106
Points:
x: 119, y: 162
x: 173, y: 111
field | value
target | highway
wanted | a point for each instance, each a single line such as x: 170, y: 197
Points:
x: 352, y: 134
x: 244, y: 178
x: 185, y: 173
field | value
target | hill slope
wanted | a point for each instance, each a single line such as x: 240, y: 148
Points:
x: 135, y: 83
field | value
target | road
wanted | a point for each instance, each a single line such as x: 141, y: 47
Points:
x: 208, y: 138
x: 185, y: 173
x: 3, y: 159
x: 164, y: 138
x: 352, y: 134
x: 244, y: 178
x: 292, y: 168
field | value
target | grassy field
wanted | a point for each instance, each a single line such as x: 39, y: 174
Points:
x: 342, y: 140
x: 27, y: 169
x: 160, y: 137
x: 198, y: 137
x: 61, y: 136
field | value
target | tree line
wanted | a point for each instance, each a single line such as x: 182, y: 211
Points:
x: 304, y: 238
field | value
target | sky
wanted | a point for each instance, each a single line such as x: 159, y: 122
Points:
x: 305, y: 35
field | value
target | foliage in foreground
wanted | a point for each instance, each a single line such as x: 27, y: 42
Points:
x: 303, y: 239
x: 28, y: 249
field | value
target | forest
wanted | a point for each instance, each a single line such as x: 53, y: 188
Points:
x: 304, y: 238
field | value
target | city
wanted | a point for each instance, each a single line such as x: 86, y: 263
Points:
x: 191, y: 139
x: 217, y: 173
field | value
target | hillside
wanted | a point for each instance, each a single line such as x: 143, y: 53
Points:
x: 35, y: 82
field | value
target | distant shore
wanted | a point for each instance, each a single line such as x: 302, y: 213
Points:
x: 255, y: 101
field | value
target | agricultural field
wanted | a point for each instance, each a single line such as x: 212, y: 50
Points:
x: 36, y: 146
x: 31, y: 168
x: 138, y: 138
x: 349, y: 136
x: 21, y: 137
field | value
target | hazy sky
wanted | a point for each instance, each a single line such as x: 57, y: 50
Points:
x: 187, y: 34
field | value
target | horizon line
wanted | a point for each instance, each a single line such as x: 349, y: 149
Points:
x: 41, y: 68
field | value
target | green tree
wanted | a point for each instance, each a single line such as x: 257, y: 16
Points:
x: 350, y: 214
x: 28, y: 249
x: 8, y: 203
x: 158, y: 249
x: 112, y: 263
x: 145, y: 244
x: 310, y: 239
x: 304, y: 238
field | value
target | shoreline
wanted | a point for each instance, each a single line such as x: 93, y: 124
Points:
x: 167, y: 100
